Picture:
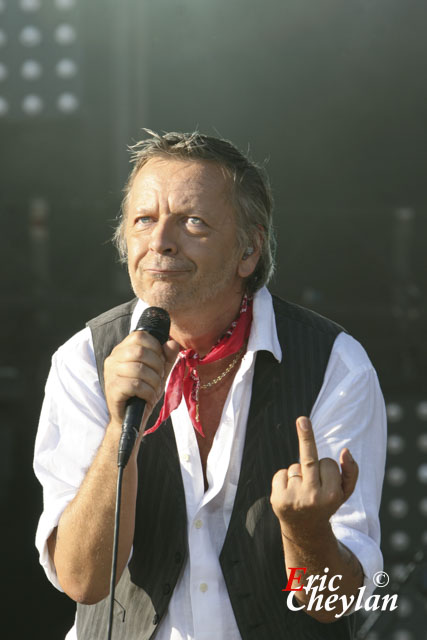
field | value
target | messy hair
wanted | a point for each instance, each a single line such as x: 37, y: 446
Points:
x: 250, y: 192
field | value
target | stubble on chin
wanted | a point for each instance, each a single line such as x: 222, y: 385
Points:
x: 189, y: 296
x: 161, y: 294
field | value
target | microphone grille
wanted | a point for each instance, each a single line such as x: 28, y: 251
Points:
x: 156, y: 322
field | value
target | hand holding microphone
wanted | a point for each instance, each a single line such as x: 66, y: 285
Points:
x: 135, y: 375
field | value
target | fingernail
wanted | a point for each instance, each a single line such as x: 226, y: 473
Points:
x: 349, y: 455
x: 303, y: 424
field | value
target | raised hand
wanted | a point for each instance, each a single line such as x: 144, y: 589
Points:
x: 308, y: 493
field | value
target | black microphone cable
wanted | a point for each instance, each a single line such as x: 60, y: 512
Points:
x: 156, y: 322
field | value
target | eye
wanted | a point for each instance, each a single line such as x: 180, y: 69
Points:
x: 194, y: 221
x: 143, y: 220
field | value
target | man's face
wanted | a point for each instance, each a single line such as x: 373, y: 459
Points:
x: 182, y: 238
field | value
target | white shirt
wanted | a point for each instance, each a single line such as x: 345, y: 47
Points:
x: 349, y: 411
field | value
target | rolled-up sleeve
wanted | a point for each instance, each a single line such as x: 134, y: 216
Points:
x: 349, y: 412
x: 71, y: 427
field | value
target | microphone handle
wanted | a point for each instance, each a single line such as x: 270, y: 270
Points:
x: 130, y: 429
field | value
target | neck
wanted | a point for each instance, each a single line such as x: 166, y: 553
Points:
x: 200, y: 332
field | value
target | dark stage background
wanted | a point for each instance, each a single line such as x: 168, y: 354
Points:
x: 331, y: 95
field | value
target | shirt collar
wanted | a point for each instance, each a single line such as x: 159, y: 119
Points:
x: 263, y: 332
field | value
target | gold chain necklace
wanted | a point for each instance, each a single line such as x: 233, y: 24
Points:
x: 222, y: 375
x: 211, y: 383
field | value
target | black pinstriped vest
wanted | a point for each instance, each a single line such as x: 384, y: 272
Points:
x: 252, y: 556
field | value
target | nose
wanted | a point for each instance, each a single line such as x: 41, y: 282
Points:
x: 163, y: 237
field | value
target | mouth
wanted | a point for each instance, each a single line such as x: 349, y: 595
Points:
x: 165, y: 273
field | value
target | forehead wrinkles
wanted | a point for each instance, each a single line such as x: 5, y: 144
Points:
x: 180, y: 184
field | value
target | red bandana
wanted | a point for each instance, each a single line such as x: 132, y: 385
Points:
x: 184, y: 378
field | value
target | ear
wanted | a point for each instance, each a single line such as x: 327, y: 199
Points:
x: 250, y: 256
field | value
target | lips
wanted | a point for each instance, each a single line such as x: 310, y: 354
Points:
x: 165, y: 271
x: 166, y: 268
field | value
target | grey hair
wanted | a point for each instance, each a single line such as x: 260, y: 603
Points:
x: 251, y: 192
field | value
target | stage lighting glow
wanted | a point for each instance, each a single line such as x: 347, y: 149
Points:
x: 422, y: 442
x: 67, y: 102
x: 65, y: 4
x: 65, y: 34
x: 402, y: 634
x: 400, y: 540
x: 423, y: 506
x: 31, y: 70
x: 66, y: 68
x: 30, y: 36
x: 398, y: 572
x: 396, y: 476
x: 422, y: 473
x: 422, y: 410
x: 395, y: 444
x: 32, y: 105
x: 398, y: 508
x: 3, y: 72
x: 394, y: 412
x: 30, y: 5
x: 405, y: 607
x: 4, y: 106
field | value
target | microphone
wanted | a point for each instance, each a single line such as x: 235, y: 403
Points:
x: 156, y: 322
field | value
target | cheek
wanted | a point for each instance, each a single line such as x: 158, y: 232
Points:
x: 137, y: 247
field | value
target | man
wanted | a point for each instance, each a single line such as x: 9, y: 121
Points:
x: 228, y: 496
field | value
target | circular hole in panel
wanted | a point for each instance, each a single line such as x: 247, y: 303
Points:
x: 3, y: 71
x: 3, y: 38
x: 423, y: 506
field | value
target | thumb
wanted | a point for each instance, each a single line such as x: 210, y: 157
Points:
x: 349, y: 473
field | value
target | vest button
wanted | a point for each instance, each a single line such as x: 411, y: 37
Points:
x: 166, y: 588
x: 178, y: 557
x: 156, y: 619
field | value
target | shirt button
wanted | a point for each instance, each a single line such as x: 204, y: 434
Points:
x: 198, y: 524
x: 203, y: 587
x: 186, y: 457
